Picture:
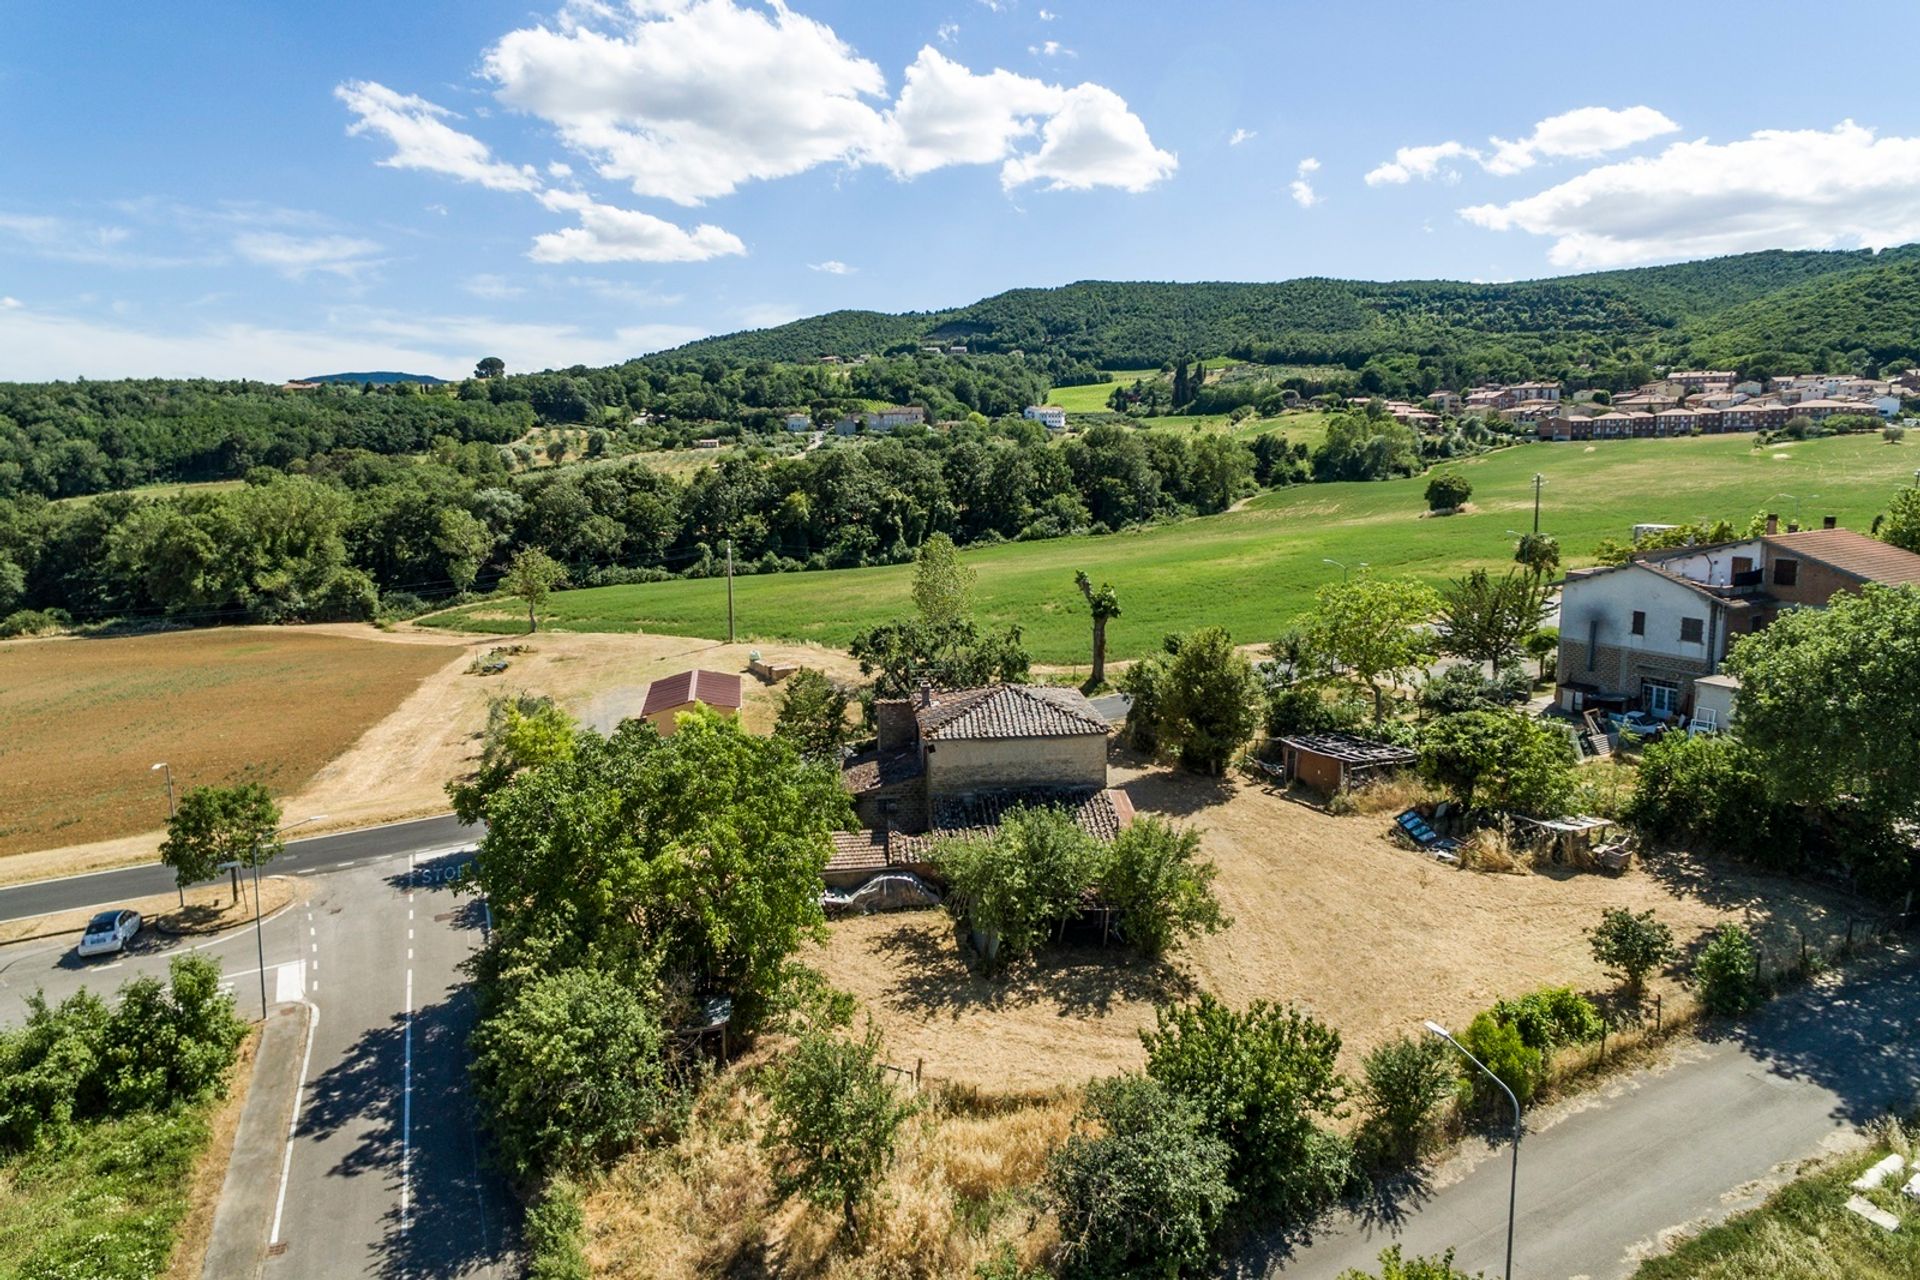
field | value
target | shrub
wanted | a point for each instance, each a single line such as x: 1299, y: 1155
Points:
x: 1141, y: 1186
x: 34, y: 622
x: 553, y: 1235
x: 1724, y: 973
x: 1710, y: 789
x: 49, y: 1069
x: 1551, y: 1017
x: 1154, y: 877
x: 1395, y: 1267
x: 1144, y: 682
x: 1402, y: 1083
x: 171, y: 1043
x: 1448, y: 490
x: 813, y: 714
x: 1210, y: 701
x: 1893, y: 433
x: 1498, y: 759
x: 1498, y: 1045
x: 835, y: 1117
x: 1301, y: 709
x: 1259, y: 1078
x: 568, y: 1070
x: 1022, y: 881
x: 1630, y: 946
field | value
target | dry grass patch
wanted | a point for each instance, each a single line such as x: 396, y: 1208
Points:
x: 82, y: 721
x: 704, y: 1206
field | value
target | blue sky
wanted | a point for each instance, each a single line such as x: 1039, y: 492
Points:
x: 271, y: 190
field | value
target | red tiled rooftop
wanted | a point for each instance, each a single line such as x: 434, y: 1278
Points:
x: 714, y: 688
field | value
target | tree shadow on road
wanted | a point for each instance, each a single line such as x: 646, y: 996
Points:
x: 1380, y: 1213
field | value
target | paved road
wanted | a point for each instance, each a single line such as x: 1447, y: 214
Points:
x: 385, y: 1169
x: 302, y: 857
x: 1660, y: 1149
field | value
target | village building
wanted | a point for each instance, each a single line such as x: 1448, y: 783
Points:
x: 667, y: 697
x: 1050, y: 416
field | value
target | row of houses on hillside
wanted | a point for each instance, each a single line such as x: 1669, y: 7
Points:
x: 1651, y: 634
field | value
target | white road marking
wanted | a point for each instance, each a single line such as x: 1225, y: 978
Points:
x: 406, y: 1088
x: 293, y: 1123
x: 289, y: 982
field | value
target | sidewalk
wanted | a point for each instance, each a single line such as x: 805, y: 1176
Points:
x: 251, y: 1192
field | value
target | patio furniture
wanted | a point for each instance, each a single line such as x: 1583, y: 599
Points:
x: 1417, y: 829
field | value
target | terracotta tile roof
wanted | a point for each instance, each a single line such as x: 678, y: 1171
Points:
x: 1010, y: 711
x: 1868, y: 559
x: 858, y: 851
x: 714, y: 688
x: 1100, y: 813
x: 870, y: 772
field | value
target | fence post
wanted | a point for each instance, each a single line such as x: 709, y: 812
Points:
x: 1656, y: 1013
x: 917, y: 1064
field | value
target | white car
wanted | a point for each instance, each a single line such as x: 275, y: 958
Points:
x: 110, y: 931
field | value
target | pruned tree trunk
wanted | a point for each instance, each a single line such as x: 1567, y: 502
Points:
x: 1099, y: 649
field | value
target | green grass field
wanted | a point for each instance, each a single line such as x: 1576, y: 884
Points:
x: 1801, y: 1233
x: 1255, y: 569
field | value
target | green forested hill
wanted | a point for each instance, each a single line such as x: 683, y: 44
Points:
x: 1573, y: 325
x: 1851, y: 319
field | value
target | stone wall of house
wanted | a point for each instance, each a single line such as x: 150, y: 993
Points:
x: 902, y: 805
x: 894, y: 725
x: 1625, y: 671
x: 987, y: 764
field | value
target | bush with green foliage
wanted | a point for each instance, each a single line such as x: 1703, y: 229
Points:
x: 1395, y: 1266
x: 1403, y: 1082
x: 835, y: 1115
x: 567, y: 1071
x: 1260, y: 1078
x: 1144, y: 682
x: 553, y: 1233
x: 1448, y: 491
x: 1551, y: 1017
x: 1710, y: 789
x: 812, y: 715
x: 1501, y: 1049
x: 1498, y: 760
x: 1726, y: 972
x: 523, y: 731
x: 955, y: 654
x: 1631, y: 946
x: 1466, y: 687
x: 1210, y: 701
x: 1020, y: 882
x: 1154, y: 878
x: 1140, y: 1188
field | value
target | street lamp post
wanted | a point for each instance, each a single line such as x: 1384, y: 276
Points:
x: 1341, y: 566
x: 169, y: 769
x: 259, y: 934
x: 1513, y: 1189
x: 1538, y: 480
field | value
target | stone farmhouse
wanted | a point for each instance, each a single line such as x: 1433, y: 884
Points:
x: 950, y: 762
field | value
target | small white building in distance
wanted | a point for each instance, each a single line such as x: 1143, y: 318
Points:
x: 1050, y: 416
x: 799, y: 422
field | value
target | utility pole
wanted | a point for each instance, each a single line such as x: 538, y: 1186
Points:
x: 169, y: 768
x: 729, y: 590
x: 1538, y: 480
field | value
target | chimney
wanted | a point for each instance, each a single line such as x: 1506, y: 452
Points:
x: 1773, y: 523
x: 926, y: 693
x: 1830, y: 522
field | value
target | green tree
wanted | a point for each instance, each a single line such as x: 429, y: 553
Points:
x: 523, y: 731
x: 955, y: 655
x: 1154, y: 877
x: 568, y: 1071
x: 1539, y: 553
x: 216, y: 825
x: 697, y: 856
x: 1901, y: 524
x: 532, y: 575
x: 1222, y: 472
x: 1486, y: 619
x: 1726, y: 972
x: 813, y: 715
x: 463, y: 542
x: 1023, y: 880
x: 1631, y: 946
x: 1500, y: 1046
x: 835, y: 1117
x: 1140, y: 1187
x: 1372, y: 629
x: 1826, y: 713
x: 1259, y: 1079
x: 1395, y: 1266
x: 1144, y: 682
x: 1402, y: 1083
x: 1542, y: 644
x: 170, y: 1043
x: 1448, y: 491
x: 1498, y: 760
x: 1211, y: 701
x: 490, y: 367
x: 1104, y: 604
x: 942, y: 586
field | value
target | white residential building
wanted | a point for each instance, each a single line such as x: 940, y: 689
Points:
x: 1050, y: 416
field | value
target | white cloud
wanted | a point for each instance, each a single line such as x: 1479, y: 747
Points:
x: 610, y: 234
x: 1301, y: 188
x: 10, y: 303
x: 1239, y: 136
x: 1581, y: 134
x: 947, y: 32
x: 833, y: 267
x: 1778, y: 189
x: 559, y: 169
x: 687, y: 100
x: 1047, y: 15
x: 42, y: 346
x: 491, y: 287
x: 1092, y: 141
x: 1409, y: 163
x: 1050, y: 49
x: 296, y: 257
x: 422, y: 138
x: 87, y: 243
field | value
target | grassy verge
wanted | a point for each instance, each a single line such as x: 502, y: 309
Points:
x: 1802, y: 1232
x: 1255, y: 569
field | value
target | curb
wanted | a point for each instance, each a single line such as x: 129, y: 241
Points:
x: 237, y: 1249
